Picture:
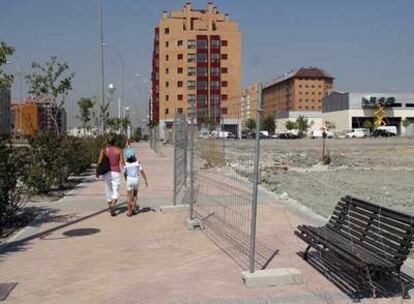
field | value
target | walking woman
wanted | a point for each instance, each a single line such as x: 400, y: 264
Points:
x: 113, y: 177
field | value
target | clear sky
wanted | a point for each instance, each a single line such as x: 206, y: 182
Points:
x: 368, y: 45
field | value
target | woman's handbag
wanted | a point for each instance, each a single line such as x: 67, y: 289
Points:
x: 104, y: 166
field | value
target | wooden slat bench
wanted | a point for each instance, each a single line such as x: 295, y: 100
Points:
x: 373, y: 240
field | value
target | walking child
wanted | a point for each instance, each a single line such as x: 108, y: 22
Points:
x: 132, y: 171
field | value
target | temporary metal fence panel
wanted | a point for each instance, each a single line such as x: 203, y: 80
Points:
x: 154, y: 138
x: 180, y: 156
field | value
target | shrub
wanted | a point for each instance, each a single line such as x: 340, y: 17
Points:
x: 13, y: 191
x: 47, y: 162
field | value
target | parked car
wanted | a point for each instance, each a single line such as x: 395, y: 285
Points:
x: 358, y: 133
x: 319, y: 134
x: 289, y: 134
x: 385, y: 131
x: 223, y: 134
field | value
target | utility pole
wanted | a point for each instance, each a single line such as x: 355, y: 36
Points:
x: 101, y: 45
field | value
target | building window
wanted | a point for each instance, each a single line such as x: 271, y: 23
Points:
x: 224, y: 43
x: 179, y: 70
x: 224, y: 56
x: 179, y: 43
x: 167, y: 44
x: 202, y: 57
x: 313, y: 93
x: 300, y: 93
x: 224, y: 84
x: 167, y: 84
x: 202, y: 44
x: 306, y: 93
x: 202, y: 99
x: 215, y: 98
x: 167, y: 97
x: 224, y: 110
x: 180, y: 97
x: 300, y: 100
x: 202, y: 85
x: 191, y: 98
x: 215, y: 44
x: 192, y: 57
x: 306, y: 86
x: 300, y: 86
x: 191, y: 84
x: 224, y: 97
x: 166, y: 111
x: 179, y: 84
x: 215, y: 57
x: 202, y: 71
x: 224, y: 70
x: 166, y: 57
x: 180, y: 110
x: 191, y: 71
x: 300, y: 107
x: 167, y: 70
x: 180, y: 56
x: 166, y: 30
x: 313, y: 86
x: 191, y: 44
x: 215, y: 84
x: 215, y: 71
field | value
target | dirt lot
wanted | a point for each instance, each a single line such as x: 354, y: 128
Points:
x: 377, y: 169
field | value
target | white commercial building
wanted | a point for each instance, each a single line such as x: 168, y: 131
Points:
x: 352, y: 110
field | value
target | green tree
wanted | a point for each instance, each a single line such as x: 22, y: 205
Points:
x: 268, y: 124
x: 85, y: 107
x: 104, y: 117
x: 303, y: 125
x: 330, y: 124
x: 290, y: 125
x: 367, y: 124
x: 406, y: 123
x: 5, y: 80
x: 54, y: 81
x: 250, y: 124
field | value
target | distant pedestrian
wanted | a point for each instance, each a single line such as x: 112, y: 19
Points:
x: 132, y: 171
x: 113, y: 177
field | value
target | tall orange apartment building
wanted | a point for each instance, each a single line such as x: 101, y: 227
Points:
x: 196, y: 59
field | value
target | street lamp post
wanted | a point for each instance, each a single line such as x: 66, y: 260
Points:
x: 121, y: 59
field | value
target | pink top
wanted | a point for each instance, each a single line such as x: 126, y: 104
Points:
x: 114, y: 159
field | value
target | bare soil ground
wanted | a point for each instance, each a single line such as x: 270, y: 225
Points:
x: 380, y: 170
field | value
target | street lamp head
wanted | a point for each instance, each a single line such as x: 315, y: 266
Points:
x: 127, y: 109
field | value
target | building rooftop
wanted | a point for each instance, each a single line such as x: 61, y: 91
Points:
x: 309, y: 72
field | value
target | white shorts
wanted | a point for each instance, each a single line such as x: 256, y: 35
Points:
x: 132, y: 183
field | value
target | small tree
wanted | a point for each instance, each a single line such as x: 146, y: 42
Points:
x: 330, y: 124
x: 406, y: 123
x: 85, y: 107
x: 5, y: 79
x: 290, y: 125
x: 367, y: 124
x: 303, y: 125
x: 268, y: 124
x: 54, y: 81
x: 250, y: 124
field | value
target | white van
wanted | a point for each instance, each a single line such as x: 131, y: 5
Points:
x: 319, y: 134
x: 358, y: 133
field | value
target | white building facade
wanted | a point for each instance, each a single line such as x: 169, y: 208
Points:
x: 352, y: 110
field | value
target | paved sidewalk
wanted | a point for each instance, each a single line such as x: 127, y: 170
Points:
x: 80, y: 254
